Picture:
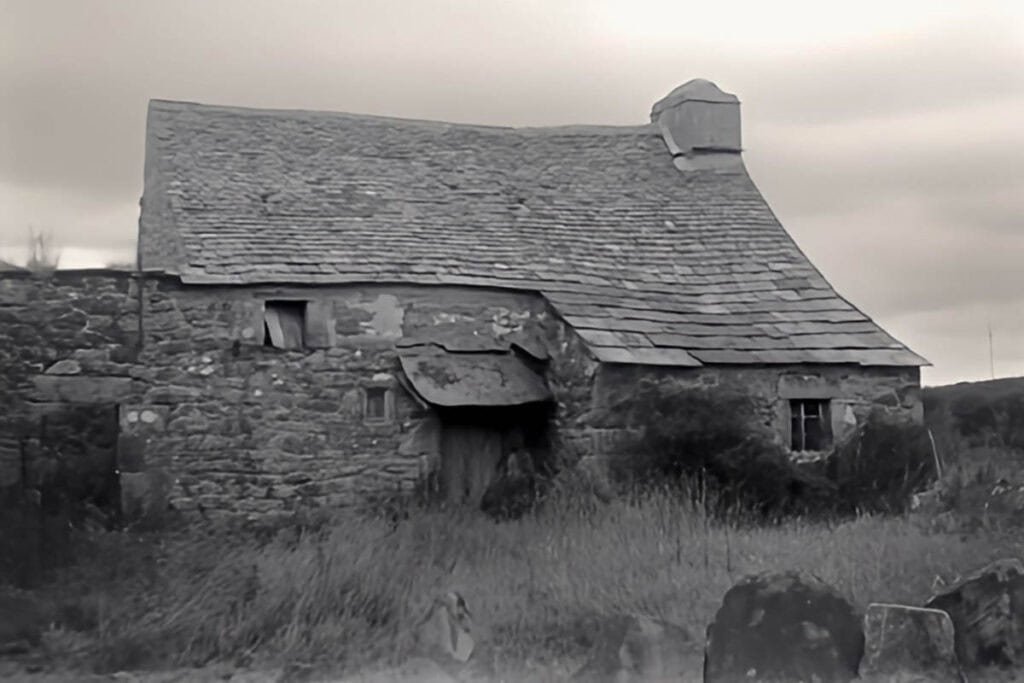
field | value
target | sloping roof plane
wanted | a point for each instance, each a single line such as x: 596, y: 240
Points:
x: 648, y: 263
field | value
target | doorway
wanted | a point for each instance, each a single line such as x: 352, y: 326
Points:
x: 478, y: 442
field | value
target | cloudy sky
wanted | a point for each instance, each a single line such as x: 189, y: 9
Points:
x: 886, y: 135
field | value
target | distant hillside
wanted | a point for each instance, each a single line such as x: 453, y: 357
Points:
x: 990, y: 412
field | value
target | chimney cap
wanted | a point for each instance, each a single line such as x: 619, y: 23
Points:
x: 697, y: 89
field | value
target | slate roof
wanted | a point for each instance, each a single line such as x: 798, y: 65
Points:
x: 649, y: 264
x: 7, y: 266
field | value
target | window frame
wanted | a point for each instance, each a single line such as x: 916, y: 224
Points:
x: 295, y: 314
x: 800, y: 417
x: 387, y: 402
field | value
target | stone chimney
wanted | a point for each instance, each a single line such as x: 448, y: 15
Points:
x: 701, y: 126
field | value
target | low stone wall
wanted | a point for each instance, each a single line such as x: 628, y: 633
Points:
x: 67, y: 338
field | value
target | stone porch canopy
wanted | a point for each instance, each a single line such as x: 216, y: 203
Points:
x: 651, y: 241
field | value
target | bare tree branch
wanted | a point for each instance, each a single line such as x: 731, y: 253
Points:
x: 43, y: 256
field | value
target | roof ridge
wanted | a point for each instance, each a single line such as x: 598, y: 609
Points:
x: 163, y: 105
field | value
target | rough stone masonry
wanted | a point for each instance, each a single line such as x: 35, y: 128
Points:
x: 213, y: 421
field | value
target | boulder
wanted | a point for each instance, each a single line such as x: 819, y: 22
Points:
x: 783, y: 627
x: 908, y: 644
x: 638, y: 648
x: 987, y: 609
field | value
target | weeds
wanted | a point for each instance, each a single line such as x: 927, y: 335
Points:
x: 349, y: 592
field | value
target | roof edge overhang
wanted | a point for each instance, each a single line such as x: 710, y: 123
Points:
x: 617, y: 356
x: 190, y: 278
x: 476, y: 379
x: 663, y: 356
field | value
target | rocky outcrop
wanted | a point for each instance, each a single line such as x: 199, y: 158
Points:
x: 987, y: 609
x: 908, y: 644
x: 783, y: 627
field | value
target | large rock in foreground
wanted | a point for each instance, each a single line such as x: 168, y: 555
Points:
x: 908, y: 644
x: 987, y: 609
x: 638, y: 649
x: 783, y: 627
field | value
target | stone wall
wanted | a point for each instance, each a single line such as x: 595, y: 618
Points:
x: 571, y: 375
x: 852, y: 391
x: 214, y: 422
x: 68, y: 343
x: 239, y: 427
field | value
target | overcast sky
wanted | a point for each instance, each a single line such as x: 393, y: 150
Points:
x: 886, y: 135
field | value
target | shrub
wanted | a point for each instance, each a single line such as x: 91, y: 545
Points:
x: 882, y: 465
x: 710, y: 438
x: 984, y: 413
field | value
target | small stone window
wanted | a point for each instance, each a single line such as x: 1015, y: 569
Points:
x: 377, y: 405
x: 810, y: 424
x: 284, y: 324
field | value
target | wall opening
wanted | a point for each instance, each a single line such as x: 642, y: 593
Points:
x: 284, y: 324
x: 70, y: 463
x: 810, y: 424
x: 482, y: 445
x: 378, y: 405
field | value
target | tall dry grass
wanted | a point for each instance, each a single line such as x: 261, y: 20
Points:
x: 349, y: 592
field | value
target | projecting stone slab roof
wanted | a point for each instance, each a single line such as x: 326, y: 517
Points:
x: 648, y: 263
x: 444, y: 378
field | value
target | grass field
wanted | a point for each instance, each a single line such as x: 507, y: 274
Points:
x: 343, y: 597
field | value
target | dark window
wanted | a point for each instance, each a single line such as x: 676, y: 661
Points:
x: 376, y: 407
x: 810, y: 425
x: 284, y: 324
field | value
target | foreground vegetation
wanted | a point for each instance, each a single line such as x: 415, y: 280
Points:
x: 346, y: 593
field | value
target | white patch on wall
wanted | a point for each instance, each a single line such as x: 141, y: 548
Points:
x: 505, y: 321
x: 147, y: 416
x: 445, y: 318
x: 388, y: 316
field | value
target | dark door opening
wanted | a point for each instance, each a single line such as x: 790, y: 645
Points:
x: 477, y: 443
x: 74, y: 466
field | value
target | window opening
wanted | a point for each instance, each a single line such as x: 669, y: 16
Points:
x: 376, y: 407
x: 810, y: 425
x: 284, y: 324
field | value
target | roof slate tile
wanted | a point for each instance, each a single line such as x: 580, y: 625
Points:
x: 628, y: 249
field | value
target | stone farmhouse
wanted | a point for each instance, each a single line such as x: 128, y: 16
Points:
x: 329, y: 305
